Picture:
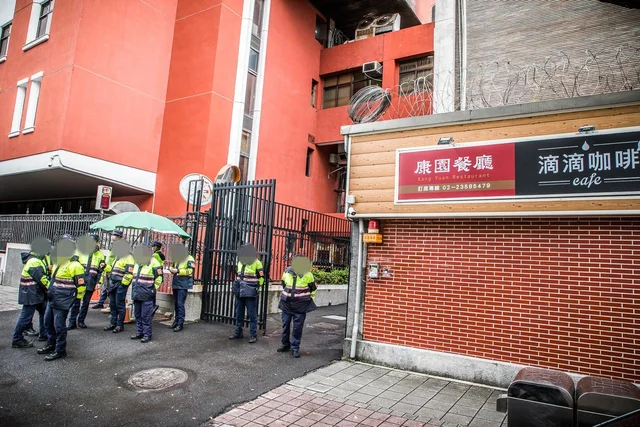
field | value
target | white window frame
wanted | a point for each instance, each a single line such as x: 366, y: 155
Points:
x: 19, y: 107
x: 32, y: 106
x: 32, y: 41
x: 10, y: 23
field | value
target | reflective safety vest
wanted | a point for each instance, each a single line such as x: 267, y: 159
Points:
x: 67, y: 284
x: 183, y: 279
x: 48, y: 265
x: 252, y: 274
x: 147, y: 279
x: 92, y: 267
x: 159, y: 256
x: 301, y: 288
x: 34, y: 280
x: 122, y: 271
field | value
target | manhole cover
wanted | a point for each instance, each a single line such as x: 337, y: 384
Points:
x: 158, y: 378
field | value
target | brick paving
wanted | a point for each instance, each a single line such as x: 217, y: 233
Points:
x: 357, y: 394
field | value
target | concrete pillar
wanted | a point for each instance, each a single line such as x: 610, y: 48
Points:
x: 444, y: 61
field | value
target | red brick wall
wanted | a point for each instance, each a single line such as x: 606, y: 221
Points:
x: 561, y: 293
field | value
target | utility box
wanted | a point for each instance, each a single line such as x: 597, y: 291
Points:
x: 540, y: 398
x: 601, y: 399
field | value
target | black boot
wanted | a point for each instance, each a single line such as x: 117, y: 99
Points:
x: 235, y: 337
x: 109, y: 328
x: 47, y: 349
x: 173, y: 325
x: 118, y: 329
x: 283, y: 349
x: 137, y: 337
x: 98, y: 306
x: 72, y: 326
x: 30, y: 332
x: 296, y: 353
x: 145, y: 339
x: 177, y: 328
x: 55, y: 356
x: 82, y: 325
x: 21, y: 344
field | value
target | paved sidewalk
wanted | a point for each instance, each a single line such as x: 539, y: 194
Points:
x: 9, y: 298
x: 357, y: 394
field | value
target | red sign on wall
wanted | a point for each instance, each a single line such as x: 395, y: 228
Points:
x: 428, y: 174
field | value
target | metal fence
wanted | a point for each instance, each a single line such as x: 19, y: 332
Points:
x: 323, y: 238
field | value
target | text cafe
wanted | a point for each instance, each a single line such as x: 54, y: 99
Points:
x: 504, y: 237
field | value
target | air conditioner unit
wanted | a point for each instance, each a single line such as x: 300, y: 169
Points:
x: 372, y: 69
x: 386, y: 24
x: 338, y: 159
x: 365, y: 33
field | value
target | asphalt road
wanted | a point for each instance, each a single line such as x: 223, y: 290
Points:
x: 90, y: 387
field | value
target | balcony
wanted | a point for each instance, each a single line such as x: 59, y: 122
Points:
x: 347, y: 15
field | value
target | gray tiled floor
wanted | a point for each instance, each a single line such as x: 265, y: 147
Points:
x: 349, y: 394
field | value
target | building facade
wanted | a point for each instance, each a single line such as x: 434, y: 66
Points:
x: 491, y: 256
x: 137, y: 95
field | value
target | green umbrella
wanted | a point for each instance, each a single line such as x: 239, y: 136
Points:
x: 140, y: 221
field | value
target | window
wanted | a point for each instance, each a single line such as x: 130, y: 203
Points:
x: 39, y: 24
x: 258, y: 10
x: 416, y: 75
x: 338, y: 90
x: 32, y: 106
x: 245, y: 150
x: 4, y: 39
x: 314, y: 91
x: 43, y: 21
x: 253, y: 60
x: 250, y: 95
x: 19, y: 107
x: 321, y: 30
x: 307, y: 169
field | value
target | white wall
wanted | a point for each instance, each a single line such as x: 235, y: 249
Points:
x: 7, y: 7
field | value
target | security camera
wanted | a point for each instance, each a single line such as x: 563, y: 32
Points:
x: 351, y: 211
x: 50, y: 162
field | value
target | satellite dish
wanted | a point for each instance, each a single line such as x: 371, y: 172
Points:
x: 120, y: 207
x: 228, y: 174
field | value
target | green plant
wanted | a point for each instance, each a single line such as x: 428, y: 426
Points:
x: 333, y: 277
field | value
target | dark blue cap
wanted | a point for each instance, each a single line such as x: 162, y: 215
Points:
x: 94, y: 237
x: 67, y: 237
x: 117, y: 233
x: 156, y: 243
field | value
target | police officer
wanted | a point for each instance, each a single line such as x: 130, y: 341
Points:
x: 120, y: 276
x: 93, y: 265
x: 146, y: 280
x: 104, y: 278
x: 67, y: 285
x: 34, y: 283
x: 248, y: 271
x: 158, y: 255
x: 296, y: 300
x: 29, y: 330
x: 181, y: 283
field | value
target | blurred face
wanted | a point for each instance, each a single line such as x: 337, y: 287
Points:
x: 301, y: 265
x: 247, y: 254
x: 142, y: 254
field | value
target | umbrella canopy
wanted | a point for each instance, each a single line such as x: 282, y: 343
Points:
x: 140, y: 221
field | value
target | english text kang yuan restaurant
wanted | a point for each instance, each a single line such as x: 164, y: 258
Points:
x: 502, y: 238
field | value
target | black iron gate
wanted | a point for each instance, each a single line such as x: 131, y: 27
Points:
x: 240, y: 214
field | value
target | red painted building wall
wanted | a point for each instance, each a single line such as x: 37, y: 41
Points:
x: 197, y: 120
x: 559, y: 293
x: 105, y: 76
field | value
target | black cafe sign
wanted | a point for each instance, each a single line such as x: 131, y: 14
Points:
x: 590, y: 164
x: 600, y: 163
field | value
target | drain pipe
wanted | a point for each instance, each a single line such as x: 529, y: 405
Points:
x: 356, y: 313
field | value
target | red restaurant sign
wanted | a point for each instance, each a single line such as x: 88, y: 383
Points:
x: 456, y: 172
